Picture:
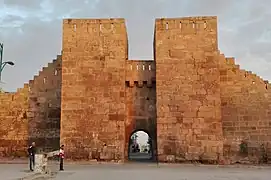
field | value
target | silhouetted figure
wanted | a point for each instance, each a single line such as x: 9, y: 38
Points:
x: 61, y: 158
x: 31, y: 153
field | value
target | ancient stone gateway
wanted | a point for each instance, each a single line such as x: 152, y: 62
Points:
x: 176, y: 97
x: 194, y: 103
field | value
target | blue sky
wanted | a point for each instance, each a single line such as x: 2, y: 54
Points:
x: 31, y: 29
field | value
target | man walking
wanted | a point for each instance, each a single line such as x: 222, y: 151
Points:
x: 31, y: 153
x: 61, y: 157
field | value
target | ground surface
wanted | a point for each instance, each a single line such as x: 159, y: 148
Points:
x: 140, y: 171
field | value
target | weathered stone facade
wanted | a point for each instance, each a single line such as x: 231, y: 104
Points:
x: 32, y: 113
x: 195, y: 103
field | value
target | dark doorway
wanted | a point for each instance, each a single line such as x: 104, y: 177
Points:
x: 140, y: 147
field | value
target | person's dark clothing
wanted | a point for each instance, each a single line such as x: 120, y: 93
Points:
x: 31, y: 152
x: 61, y: 164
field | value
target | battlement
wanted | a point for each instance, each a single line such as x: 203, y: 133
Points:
x: 48, y: 76
x: 139, y: 71
x: 94, y: 21
x: 95, y: 26
x: 252, y: 78
x: 206, y: 23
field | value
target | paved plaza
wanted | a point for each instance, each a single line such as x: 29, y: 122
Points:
x: 137, y: 171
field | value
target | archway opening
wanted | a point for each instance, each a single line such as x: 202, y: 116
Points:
x: 140, y: 146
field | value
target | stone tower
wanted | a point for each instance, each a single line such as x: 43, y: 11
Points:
x: 93, y: 88
x: 187, y: 87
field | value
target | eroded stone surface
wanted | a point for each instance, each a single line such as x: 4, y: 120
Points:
x: 195, y: 103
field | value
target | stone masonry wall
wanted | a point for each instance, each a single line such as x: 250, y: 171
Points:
x: 44, y: 107
x: 32, y: 114
x: 246, y: 111
x: 14, y: 123
x: 93, y: 88
x: 188, y: 91
x: 140, y: 100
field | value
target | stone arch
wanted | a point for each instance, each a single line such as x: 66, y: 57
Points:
x: 150, y: 155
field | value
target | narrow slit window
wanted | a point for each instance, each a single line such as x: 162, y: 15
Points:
x: 149, y: 67
x: 180, y: 25
x: 56, y: 72
x: 44, y: 80
x: 74, y: 27
x: 136, y: 67
x: 166, y: 25
x: 143, y: 67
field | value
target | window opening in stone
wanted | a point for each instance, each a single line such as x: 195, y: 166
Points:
x: 147, y: 98
x: 44, y: 80
x: 143, y: 67
x: 74, y: 27
x: 56, y: 72
x: 167, y: 25
x: 149, y: 67
x: 180, y: 25
x: 140, y: 147
x: 136, y: 67
x: 205, y: 25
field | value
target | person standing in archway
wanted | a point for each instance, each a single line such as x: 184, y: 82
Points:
x: 61, y: 158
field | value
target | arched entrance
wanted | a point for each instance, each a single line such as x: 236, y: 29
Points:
x: 140, y: 146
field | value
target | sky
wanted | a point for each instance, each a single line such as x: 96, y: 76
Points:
x: 142, y: 138
x: 31, y: 30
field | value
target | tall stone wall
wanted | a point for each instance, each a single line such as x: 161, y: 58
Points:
x: 93, y: 88
x: 32, y: 114
x: 140, y: 100
x: 14, y: 123
x: 44, y: 107
x: 188, y: 91
x: 246, y: 113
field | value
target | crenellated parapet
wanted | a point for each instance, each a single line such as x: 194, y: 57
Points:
x: 188, y: 24
x: 229, y: 72
x: 140, y: 73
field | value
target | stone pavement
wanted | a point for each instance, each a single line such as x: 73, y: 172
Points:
x: 139, y: 171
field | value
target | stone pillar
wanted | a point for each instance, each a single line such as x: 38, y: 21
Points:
x: 40, y: 163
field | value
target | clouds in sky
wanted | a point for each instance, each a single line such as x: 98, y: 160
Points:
x: 31, y: 29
